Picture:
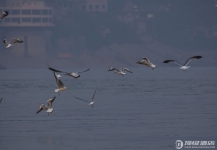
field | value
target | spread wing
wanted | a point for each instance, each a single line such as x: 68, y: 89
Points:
x: 54, y: 70
x: 145, y: 61
x: 82, y: 99
x: 126, y: 69
x: 3, y: 14
x: 16, y: 40
x: 112, y: 68
x: 192, y: 58
x: 42, y: 107
x: 84, y: 71
x: 50, y: 101
x: 94, y: 94
x: 169, y: 61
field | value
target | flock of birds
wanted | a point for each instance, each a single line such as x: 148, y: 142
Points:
x: 122, y: 72
x: 76, y: 75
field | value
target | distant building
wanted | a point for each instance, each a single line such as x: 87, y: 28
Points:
x: 85, y: 5
x: 96, y: 5
x: 27, y: 13
x: 29, y: 20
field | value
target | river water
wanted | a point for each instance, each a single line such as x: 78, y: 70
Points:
x: 143, y: 110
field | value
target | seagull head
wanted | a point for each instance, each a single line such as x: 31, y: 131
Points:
x: 153, y: 66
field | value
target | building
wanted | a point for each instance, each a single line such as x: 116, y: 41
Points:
x: 29, y: 20
x: 96, y: 5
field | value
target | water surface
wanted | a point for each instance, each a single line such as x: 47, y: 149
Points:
x: 143, y: 110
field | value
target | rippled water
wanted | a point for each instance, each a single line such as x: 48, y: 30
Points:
x: 144, y: 110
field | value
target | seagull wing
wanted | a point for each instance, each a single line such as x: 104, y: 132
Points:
x: 5, y: 42
x: 50, y: 101
x: 126, y: 69
x: 3, y: 14
x: 145, y: 62
x: 54, y: 70
x: 16, y: 40
x: 112, y: 69
x: 169, y: 61
x: 82, y: 99
x: 42, y: 107
x: 192, y: 58
x: 146, y: 59
x: 94, y: 94
x: 83, y: 71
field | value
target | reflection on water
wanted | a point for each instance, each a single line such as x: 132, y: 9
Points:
x: 143, y: 110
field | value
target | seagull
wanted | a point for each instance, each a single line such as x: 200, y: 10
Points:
x: 49, y: 108
x: 76, y: 74
x: 3, y: 14
x: 90, y: 102
x: 146, y: 62
x: 60, y: 84
x: 0, y: 100
x: 121, y: 71
x: 184, y: 67
x: 15, y: 40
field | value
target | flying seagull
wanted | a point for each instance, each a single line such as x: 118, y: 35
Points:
x: 121, y: 71
x: 15, y: 40
x: 184, y: 67
x: 76, y: 74
x: 90, y: 102
x: 3, y: 14
x: 146, y: 62
x: 0, y: 100
x: 49, y: 108
x: 60, y: 84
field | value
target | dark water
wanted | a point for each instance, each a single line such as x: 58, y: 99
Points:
x: 144, y: 110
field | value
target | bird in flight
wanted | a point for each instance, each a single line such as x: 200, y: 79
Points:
x: 49, y: 108
x: 146, y: 62
x: 91, y: 103
x: 121, y: 71
x: 184, y: 67
x: 9, y: 45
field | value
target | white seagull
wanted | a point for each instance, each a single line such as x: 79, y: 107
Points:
x: 15, y: 40
x: 72, y: 74
x: 60, y: 84
x: 184, y: 67
x: 121, y: 71
x: 146, y: 62
x: 90, y: 102
x: 49, y: 108
x: 75, y: 74
x: 3, y: 14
